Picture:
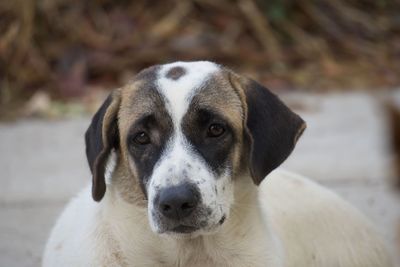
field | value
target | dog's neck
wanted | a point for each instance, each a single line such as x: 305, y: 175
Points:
x: 244, y: 237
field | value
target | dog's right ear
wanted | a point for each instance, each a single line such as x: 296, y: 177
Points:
x: 101, y: 137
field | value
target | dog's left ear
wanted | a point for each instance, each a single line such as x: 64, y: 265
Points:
x: 271, y: 128
x: 101, y: 137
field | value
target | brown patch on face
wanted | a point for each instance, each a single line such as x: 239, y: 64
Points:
x: 126, y: 183
x: 138, y: 99
x: 175, y: 73
x: 216, y: 102
x: 142, y: 109
x: 218, y: 96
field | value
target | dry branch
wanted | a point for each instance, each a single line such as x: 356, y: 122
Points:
x: 262, y: 29
x: 46, y: 43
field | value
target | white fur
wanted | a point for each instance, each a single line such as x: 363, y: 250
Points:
x: 178, y: 93
x: 293, y: 223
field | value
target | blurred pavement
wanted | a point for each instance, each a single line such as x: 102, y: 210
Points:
x: 43, y: 164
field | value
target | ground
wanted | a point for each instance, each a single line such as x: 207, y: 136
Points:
x: 345, y: 148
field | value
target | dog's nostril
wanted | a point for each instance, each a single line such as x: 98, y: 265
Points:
x: 166, y: 207
x: 222, y: 219
x: 187, y: 206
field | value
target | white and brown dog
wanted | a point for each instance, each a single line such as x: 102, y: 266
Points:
x: 178, y: 156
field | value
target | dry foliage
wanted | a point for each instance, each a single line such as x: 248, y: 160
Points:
x: 65, y: 47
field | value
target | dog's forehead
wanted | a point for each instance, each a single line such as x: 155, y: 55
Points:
x: 171, y: 90
x: 178, y: 82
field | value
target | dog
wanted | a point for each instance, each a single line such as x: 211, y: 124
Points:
x: 183, y: 163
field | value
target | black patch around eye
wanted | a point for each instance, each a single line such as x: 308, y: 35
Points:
x: 214, y: 150
x: 146, y: 155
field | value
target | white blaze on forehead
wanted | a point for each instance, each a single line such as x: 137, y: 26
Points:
x: 178, y: 93
x: 179, y: 162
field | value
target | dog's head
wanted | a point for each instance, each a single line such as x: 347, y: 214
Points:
x: 182, y: 134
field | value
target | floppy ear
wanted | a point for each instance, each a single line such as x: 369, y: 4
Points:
x: 271, y: 128
x: 101, y: 137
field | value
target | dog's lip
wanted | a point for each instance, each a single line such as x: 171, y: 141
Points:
x: 184, y: 229
x: 222, y: 220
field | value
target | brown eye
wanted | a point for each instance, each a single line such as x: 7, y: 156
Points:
x: 215, y: 130
x: 141, y: 138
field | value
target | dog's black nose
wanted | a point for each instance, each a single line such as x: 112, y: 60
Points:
x: 178, y: 202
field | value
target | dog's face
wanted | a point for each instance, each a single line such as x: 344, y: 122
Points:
x: 184, y: 132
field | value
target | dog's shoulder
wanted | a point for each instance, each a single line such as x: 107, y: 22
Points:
x: 71, y: 238
x: 312, y: 221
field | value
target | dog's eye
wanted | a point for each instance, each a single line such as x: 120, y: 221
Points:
x: 141, y: 138
x: 215, y: 130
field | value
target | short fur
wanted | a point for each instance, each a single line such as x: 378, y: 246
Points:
x: 285, y: 221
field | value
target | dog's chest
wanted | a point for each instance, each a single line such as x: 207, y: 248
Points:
x: 194, y: 259
x: 196, y: 254
x: 174, y: 255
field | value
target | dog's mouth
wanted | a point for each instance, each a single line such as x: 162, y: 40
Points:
x: 184, y: 229
x: 189, y: 229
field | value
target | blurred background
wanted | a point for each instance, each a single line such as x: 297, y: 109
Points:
x: 337, y: 63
